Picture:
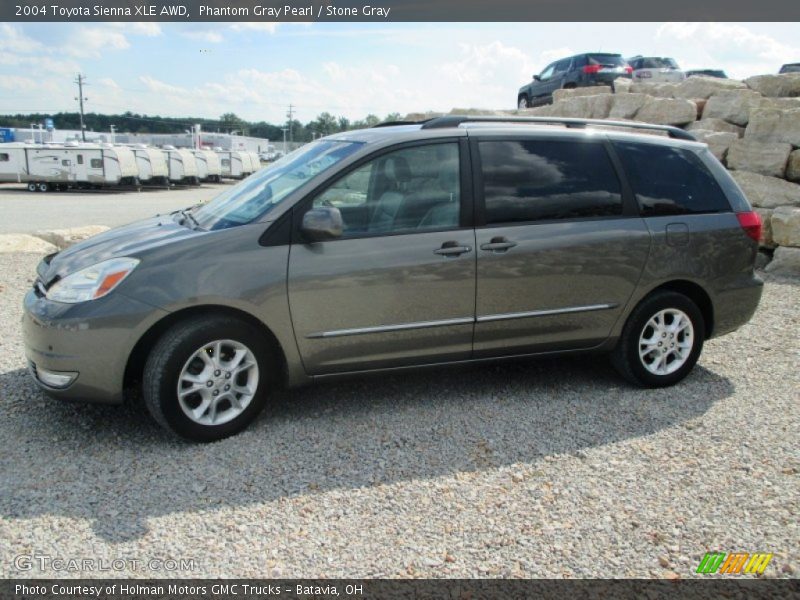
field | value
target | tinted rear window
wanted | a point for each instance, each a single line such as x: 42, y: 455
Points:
x: 658, y: 63
x: 670, y: 181
x: 538, y: 179
x: 606, y: 59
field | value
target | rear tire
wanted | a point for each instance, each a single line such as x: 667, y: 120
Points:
x: 207, y: 378
x: 661, y: 341
x: 44, y: 187
x: 32, y: 187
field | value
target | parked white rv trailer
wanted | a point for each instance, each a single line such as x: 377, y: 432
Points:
x: 182, y: 165
x: 152, y: 165
x: 247, y: 163
x: 256, y: 160
x: 61, y: 166
x: 230, y: 164
x: 208, y: 165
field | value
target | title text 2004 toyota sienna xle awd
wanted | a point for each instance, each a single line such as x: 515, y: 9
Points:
x: 460, y: 239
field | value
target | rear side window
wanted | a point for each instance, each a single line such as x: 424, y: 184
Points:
x: 96, y: 163
x: 670, y: 181
x: 535, y: 180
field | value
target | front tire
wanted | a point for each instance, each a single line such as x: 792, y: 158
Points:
x: 207, y: 377
x: 523, y: 103
x: 661, y: 341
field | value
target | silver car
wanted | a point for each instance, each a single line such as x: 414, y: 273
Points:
x: 655, y: 69
x: 460, y: 239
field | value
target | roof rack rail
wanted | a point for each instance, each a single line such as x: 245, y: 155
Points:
x: 456, y: 120
x: 393, y: 123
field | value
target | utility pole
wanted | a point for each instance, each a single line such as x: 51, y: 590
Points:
x: 112, y: 133
x: 290, y: 115
x: 80, y: 80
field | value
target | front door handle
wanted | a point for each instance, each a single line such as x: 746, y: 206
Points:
x: 452, y: 249
x: 498, y: 244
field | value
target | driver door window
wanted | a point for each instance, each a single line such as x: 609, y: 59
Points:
x: 406, y: 191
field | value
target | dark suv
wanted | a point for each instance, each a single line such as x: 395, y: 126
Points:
x: 582, y: 70
x: 456, y: 240
x: 790, y: 68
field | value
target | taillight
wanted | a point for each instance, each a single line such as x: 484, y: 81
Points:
x: 591, y: 69
x: 751, y: 223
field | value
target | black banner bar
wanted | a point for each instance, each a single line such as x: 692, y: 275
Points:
x: 398, y: 10
x: 733, y: 588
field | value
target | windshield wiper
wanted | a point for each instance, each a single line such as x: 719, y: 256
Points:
x: 188, y: 216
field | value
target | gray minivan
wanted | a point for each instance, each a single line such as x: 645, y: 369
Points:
x: 454, y: 240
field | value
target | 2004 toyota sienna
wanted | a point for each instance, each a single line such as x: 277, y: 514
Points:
x: 458, y: 239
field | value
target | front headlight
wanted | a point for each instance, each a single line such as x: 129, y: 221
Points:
x: 92, y: 282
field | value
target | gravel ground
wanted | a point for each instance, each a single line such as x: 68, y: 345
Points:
x: 26, y: 212
x: 536, y: 469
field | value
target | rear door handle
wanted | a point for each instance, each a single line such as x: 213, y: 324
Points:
x: 498, y: 244
x: 452, y: 249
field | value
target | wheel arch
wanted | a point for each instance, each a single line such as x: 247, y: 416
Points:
x: 696, y: 293
x: 136, y: 360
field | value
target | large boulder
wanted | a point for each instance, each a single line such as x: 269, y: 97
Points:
x: 775, y: 86
x: 767, y: 158
x: 14, y: 242
x: 583, y: 107
x: 705, y: 87
x: 785, y: 223
x: 779, y: 103
x: 785, y: 261
x: 714, y: 124
x: 793, y: 166
x: 733, y: 106
x: 767, y: 192
x: 622, y: 85
x: 773, y: 125
x: 667, y: 111
x: 563, y: 94
x: 625, y: 106
x: 766, y: 227
x: 422, y: 116
x: 658, y: 90
x: 718, y: 141
x: 63, y: 238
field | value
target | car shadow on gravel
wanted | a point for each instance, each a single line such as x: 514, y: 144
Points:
x: 115, y: 468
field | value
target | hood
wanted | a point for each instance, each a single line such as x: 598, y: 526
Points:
x: 130, y: 240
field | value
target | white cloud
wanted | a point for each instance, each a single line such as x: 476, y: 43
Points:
x: 735, y: 46
x: 212, y: 37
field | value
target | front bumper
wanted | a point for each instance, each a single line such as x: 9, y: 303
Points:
x: 91, y: 340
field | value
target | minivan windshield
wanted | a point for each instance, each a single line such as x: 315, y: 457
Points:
x: 265, y: 189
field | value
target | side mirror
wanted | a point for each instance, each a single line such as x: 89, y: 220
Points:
x: 537, y: 78
x: 321, y: 224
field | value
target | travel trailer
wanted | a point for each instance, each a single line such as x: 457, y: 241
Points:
x: 247, y: 163
x: 255, y: 159
x: 62, y: 166
x: 231, y: 164
x: 182, y: 165
x: 152, y: 165
x: 208, y: 165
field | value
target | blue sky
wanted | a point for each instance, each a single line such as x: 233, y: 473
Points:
x: 257, y: 69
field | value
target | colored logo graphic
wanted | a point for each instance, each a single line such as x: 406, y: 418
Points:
x: 734, y: 563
